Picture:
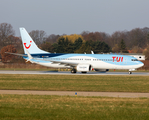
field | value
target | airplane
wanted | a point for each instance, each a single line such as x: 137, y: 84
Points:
x: 76, y: 62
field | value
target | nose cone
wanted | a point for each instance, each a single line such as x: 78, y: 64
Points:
x: 141, y: 64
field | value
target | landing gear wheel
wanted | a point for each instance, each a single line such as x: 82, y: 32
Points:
x: 130, y: 72
x: 73, y: 71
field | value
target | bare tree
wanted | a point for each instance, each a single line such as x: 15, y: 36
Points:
x: 52, y: 38
x: 39, y: 36
x: 136, y: 38
x: 6, y: 30
x: 8, y: 57
x: 115, y: 39
x: 146, y: 33
x: 94, y: 36
x: 146, y: 52
x: 137, y: 49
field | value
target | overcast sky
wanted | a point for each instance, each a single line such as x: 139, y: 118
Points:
x: 75, y: 16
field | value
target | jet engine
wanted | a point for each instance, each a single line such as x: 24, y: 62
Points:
x: 84, y: 68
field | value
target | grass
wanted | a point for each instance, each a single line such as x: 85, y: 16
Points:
x: 29, y: 107
x: 35, y: 107
x: 75, y: 83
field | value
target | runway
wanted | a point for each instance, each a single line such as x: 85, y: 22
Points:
x: 76, y: 93
x: 69, y: 73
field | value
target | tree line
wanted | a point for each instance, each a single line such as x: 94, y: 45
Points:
x: 135, y: 41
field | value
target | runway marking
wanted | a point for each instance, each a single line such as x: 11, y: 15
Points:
x: 73, y: 93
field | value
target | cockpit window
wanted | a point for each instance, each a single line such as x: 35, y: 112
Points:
x: 134, y: 59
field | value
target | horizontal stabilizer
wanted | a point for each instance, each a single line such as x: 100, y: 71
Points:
x: 17, y: 54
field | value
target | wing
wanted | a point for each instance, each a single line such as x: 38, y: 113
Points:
x: 73, y: 64
x: 17, y: 54
x: 66, y: 63
x: 31, y: 59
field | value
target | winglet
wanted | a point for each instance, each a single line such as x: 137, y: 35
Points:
x: 92, y: 52
x: 29, y: 55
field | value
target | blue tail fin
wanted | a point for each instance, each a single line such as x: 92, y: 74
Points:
x: 29, y: 44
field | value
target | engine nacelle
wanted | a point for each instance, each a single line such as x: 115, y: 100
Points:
x: 101, y: 70
x: 84, y: 67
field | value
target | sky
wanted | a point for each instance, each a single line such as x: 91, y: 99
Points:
x: 75, y: 16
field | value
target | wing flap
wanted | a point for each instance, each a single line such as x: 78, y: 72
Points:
x: 64, y: 63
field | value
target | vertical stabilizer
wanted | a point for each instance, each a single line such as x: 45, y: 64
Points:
x: 29, y: 44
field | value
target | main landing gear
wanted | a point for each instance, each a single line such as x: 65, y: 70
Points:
x: 73, y: 70
x: 130, y: 72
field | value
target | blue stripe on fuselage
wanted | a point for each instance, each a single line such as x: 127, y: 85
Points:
x: 47, y: 55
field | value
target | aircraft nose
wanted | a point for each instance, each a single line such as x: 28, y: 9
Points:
x: 141, y: 64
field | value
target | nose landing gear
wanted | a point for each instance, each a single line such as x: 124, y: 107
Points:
x: 130, y: 71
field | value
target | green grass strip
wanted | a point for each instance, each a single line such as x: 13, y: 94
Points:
x: 75, y: 83
x: 29, y: 107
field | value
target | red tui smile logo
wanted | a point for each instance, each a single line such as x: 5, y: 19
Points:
x: 27, y: 47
